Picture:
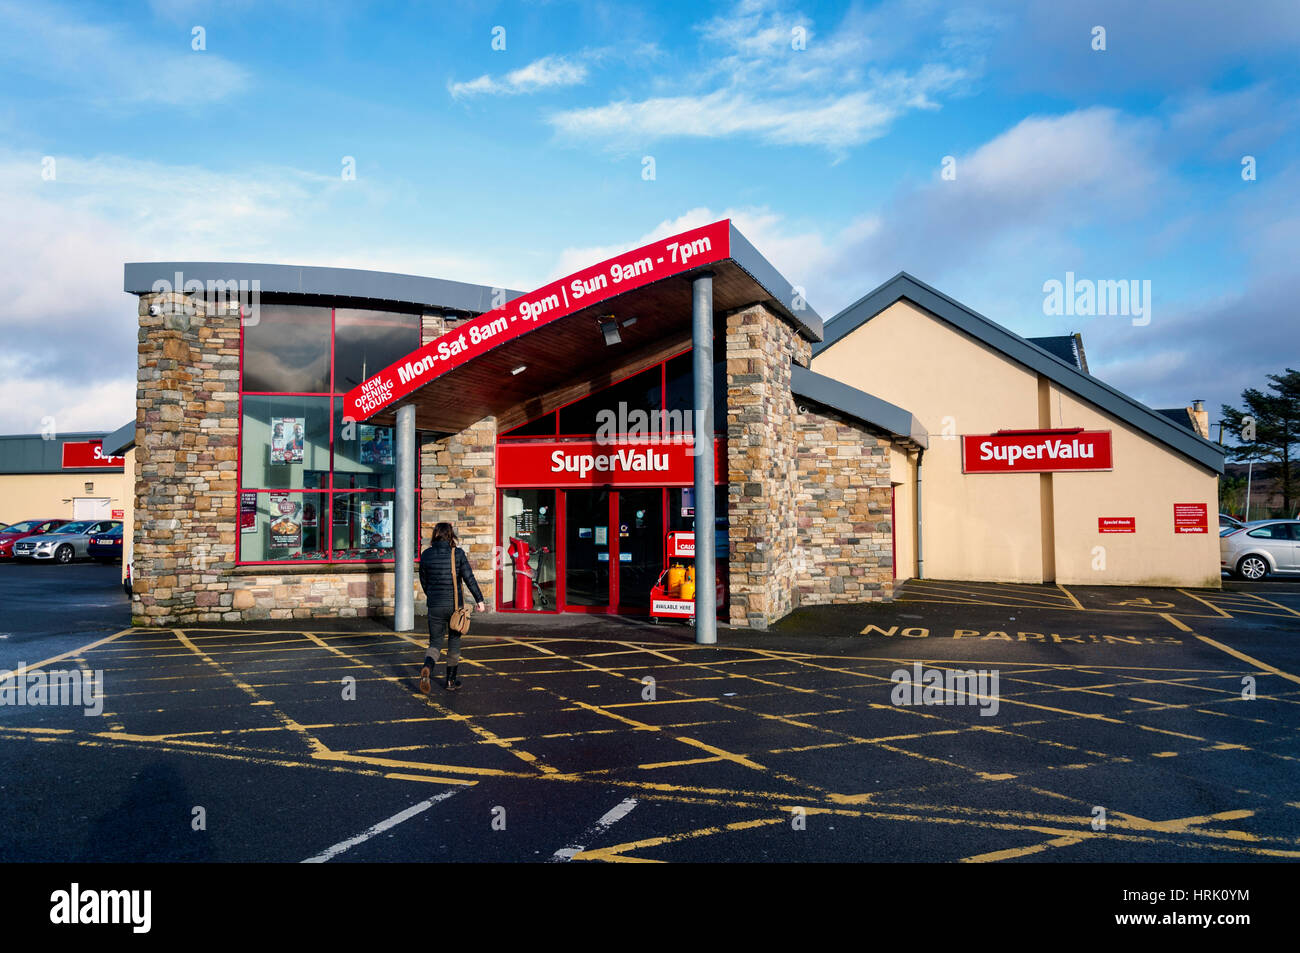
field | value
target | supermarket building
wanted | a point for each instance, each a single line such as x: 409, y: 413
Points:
x: 289, y: 418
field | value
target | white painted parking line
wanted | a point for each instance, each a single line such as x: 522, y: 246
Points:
x: 379, y: 828
x: 609, y: 820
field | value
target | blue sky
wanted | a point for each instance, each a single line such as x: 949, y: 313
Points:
x: 509, y: 167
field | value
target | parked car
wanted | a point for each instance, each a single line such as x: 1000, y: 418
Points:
x: 1229, y: 522
x: 11, y: 534
x: 1260, y: 548
x: 106, y: 547
x: 65, y: 544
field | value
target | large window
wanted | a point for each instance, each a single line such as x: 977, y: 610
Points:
x: 314, y: 487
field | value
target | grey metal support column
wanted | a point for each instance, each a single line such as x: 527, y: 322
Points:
x: 404, y: 523
x: 706, y: 585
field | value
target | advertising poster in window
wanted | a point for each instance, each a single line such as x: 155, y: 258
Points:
x: 376, y: 445
x: 286, y: 521
x: 376, y: 525
x: 286, y: 440
x: 309, y: 513
x: 248, y: 512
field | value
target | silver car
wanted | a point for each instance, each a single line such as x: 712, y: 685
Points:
x: 65, y: 544
x: 1261, y: 547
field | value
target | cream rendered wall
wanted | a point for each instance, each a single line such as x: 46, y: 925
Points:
x: 1147, y: 481
x: 984, y: 527
x: 26, y: 496
x: 902, y: 474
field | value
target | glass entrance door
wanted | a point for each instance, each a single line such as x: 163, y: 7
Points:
x: 640, y: 546
x: 613, y: 551
x: 587, y: 549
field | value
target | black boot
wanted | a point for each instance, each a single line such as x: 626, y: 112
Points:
x: 453, y: 680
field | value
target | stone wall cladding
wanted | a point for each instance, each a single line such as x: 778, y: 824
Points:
x: 458, y: 485
x: 187, y: 419
x: 761, y: 447
x: 808, y: 492
x: 845, y: 549
x: 187, y: 448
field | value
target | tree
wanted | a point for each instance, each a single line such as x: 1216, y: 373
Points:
x: 1269, y: 428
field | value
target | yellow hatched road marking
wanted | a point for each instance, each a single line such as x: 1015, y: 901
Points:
x: 72, y: 653
x: 1287, y: 610
x: 1220, y: 612
x: 1262, y: 666
x: 1011, y: 853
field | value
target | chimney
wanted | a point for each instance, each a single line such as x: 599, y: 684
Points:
x: 1200, y: 418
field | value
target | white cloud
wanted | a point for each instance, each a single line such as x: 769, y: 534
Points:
x: 549, y: 72
x: 752, y: 80
x: 68, y: 329
x: 108, y: 65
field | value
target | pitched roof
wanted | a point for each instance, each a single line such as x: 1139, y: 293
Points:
x: 1068, y: 347
x: 1012, y: 345
x: 857, y: 404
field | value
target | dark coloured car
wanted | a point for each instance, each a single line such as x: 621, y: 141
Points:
x: 11, y: 534
x: 107, y: 546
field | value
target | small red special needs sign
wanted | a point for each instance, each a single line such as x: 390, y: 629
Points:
x: 1191, y: 518
x: 1116, y: 524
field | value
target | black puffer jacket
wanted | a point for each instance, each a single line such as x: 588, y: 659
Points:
x: 436, y: 578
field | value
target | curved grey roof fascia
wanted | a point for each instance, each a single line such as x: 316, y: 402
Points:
x: 141, y: 278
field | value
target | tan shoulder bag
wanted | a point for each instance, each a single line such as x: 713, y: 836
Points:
x: 460, y: 617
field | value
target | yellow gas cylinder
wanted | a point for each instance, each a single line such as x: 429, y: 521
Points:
x: 690, y: 574
x: 688, y: 590
x: 676, y: 574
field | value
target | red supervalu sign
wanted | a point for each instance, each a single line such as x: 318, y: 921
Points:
x: 84, y: 454
x: 1116, y: 524
x: 578, y: 463
x: 1191, y: 518
x: 1036, y: 451
x: 641, y: 266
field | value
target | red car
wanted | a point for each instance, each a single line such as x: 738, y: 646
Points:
x: 11, y: 534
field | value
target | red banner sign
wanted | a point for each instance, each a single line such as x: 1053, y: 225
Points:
x: 1116, y: 524
x: 85, y: 454
x: 1191, y: 518
x: 578, y: 463
x: 119, y: 514
x: 622, y: 273
x: 1036, y: 451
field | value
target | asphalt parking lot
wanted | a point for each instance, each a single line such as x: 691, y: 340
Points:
x: 582, y: 740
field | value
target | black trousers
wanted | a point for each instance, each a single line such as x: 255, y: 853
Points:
x: 438, y: 628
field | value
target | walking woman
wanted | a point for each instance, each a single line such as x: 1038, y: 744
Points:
x: 442, y: 589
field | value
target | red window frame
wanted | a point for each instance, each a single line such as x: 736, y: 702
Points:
x: 329, y: 493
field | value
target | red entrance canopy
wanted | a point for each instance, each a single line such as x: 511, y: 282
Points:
x: 505, y: 358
